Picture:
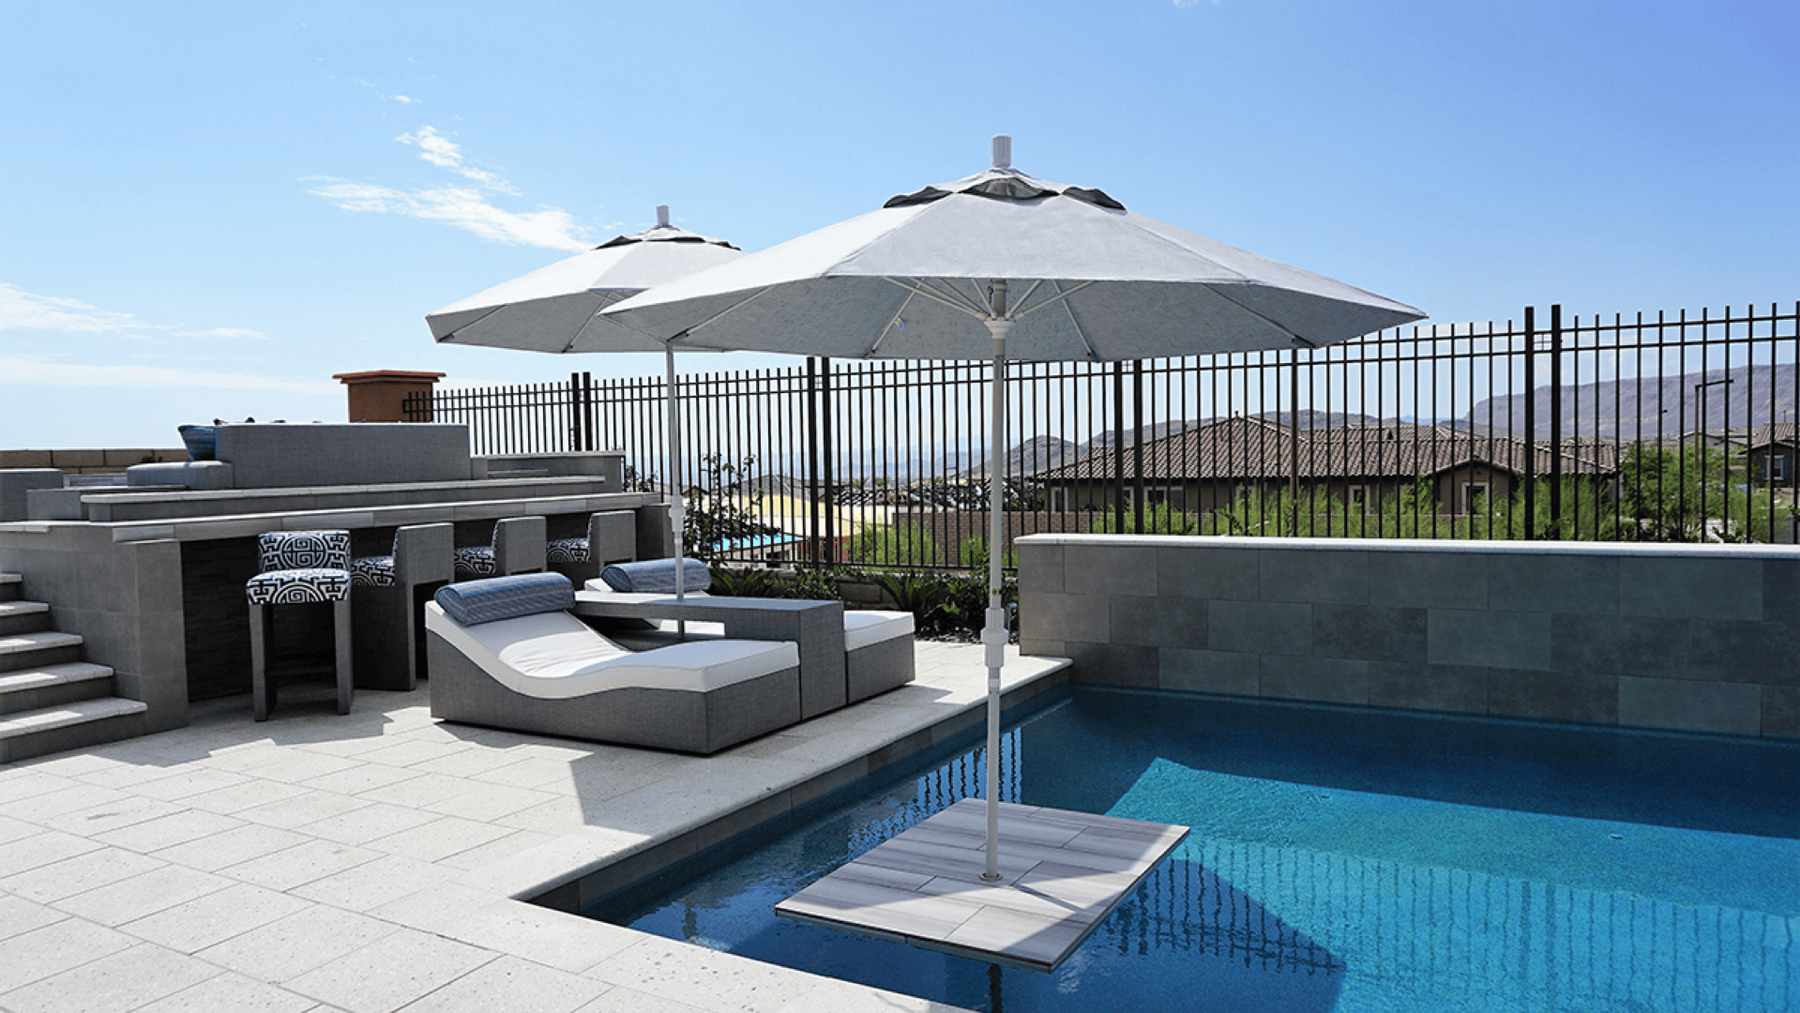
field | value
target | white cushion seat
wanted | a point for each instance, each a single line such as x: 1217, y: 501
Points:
x: 862, y: 629
x: 878, y: 645
x: 507, y: 653
x: 555, y: 656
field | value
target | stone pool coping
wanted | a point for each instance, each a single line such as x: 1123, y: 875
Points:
x: 379, y: 861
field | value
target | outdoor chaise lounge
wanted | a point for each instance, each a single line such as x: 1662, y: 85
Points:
x: 506, y: 653
x: 878, y: 646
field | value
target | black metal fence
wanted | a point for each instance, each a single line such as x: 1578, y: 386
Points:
x: 1677, y: 427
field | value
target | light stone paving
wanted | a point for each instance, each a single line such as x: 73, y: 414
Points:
x: 370, y: 862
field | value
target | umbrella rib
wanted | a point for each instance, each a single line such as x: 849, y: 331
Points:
x: 451, y: 337
x: 752, y: 297
x: 1052, y: 300
x: 882, y: 336
x: 1080, y: 332
x: 960, y: 303
x: 1023, y: 299
x: 1214, y: 289
x: 585, y: 324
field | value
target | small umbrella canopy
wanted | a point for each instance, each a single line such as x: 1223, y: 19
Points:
x: 1027, y: 268
x: 553, y: 309
x: 556, y: 309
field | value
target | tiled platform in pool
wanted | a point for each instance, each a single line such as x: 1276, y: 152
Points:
x: 1060, y: 873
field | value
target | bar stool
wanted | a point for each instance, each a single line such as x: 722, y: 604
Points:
x: 517, y: 547
x: 388, y: 602
x: 611, y: 538
x: 299, y: 567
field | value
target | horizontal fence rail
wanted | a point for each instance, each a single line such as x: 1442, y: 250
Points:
x: 1676, y: 427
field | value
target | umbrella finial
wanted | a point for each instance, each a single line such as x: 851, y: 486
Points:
x: 662, y: 216
x: 1002, y: 151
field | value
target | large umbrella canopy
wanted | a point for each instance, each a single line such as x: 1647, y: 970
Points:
x: 1027, y: 269
x: 1086, y: 279
x: 556, y: 309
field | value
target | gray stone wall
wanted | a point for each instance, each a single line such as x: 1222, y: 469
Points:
x: 1695, y: 637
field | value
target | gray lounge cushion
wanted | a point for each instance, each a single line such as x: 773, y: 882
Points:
x: 474, y: 602
x: 656, y: 576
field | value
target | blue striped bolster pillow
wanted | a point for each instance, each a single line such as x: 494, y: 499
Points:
x: 473, y: 602
x: 657, y: 576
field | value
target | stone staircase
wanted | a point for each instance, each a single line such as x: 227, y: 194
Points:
x: 50, y: 699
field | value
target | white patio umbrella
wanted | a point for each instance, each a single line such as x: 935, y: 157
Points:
x: 556, y: 309
x: 1004, y: 264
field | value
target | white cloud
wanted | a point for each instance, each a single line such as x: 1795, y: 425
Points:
x: 470, y: 208
x: 24, y: 371
x: 27, y: 311
x: 22, y: 310
x: 444, y: 153
x: 404, y: 100
x: 227, y: 332
x: 463, y: 207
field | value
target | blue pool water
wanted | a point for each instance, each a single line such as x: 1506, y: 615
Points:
x: 1341, y: 859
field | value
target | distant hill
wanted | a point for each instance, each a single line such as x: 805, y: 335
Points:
x: 1037, y: 454
x: 1639, y: 409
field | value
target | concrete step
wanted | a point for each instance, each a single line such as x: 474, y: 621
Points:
x: 10, y: 586
x: 69, y: 726
x: 32, y: 689
x: 23, y: 617
x: 19, y: 651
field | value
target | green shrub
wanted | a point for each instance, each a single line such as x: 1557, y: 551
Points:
x: 745, y: 583
x: 972, y: 552
x: 1158, y: 520
x: 888, y: 546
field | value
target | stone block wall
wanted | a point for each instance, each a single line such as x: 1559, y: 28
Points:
x: 1701, y: 637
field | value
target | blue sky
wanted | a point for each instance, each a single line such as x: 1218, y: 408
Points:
x: 207, y: 209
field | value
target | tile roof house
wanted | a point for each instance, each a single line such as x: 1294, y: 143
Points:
x: 1214, y: 464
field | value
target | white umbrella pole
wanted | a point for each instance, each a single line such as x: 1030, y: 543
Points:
x: 677, y: 513
x: 993, y: 636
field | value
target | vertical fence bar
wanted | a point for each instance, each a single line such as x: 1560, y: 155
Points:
x: 1556, y: 421
x: 1118, y: 447
x: 1530, y: 423
x: 1137, y: 445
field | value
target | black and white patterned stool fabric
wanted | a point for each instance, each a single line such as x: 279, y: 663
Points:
x: 372, y: 571
x: 297, y: 587
x: 475, y: 562
x: 299, y: 567
x: 566, y: 550
x: 303, y: 550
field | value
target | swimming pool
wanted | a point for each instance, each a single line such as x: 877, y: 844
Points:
x: 1341, y: 859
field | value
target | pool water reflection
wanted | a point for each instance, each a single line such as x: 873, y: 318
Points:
x: 1341, y: 859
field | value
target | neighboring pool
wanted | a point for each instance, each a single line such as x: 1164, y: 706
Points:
x: 1341, y: 859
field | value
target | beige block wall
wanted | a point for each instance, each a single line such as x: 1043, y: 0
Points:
x: 100, y: 461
